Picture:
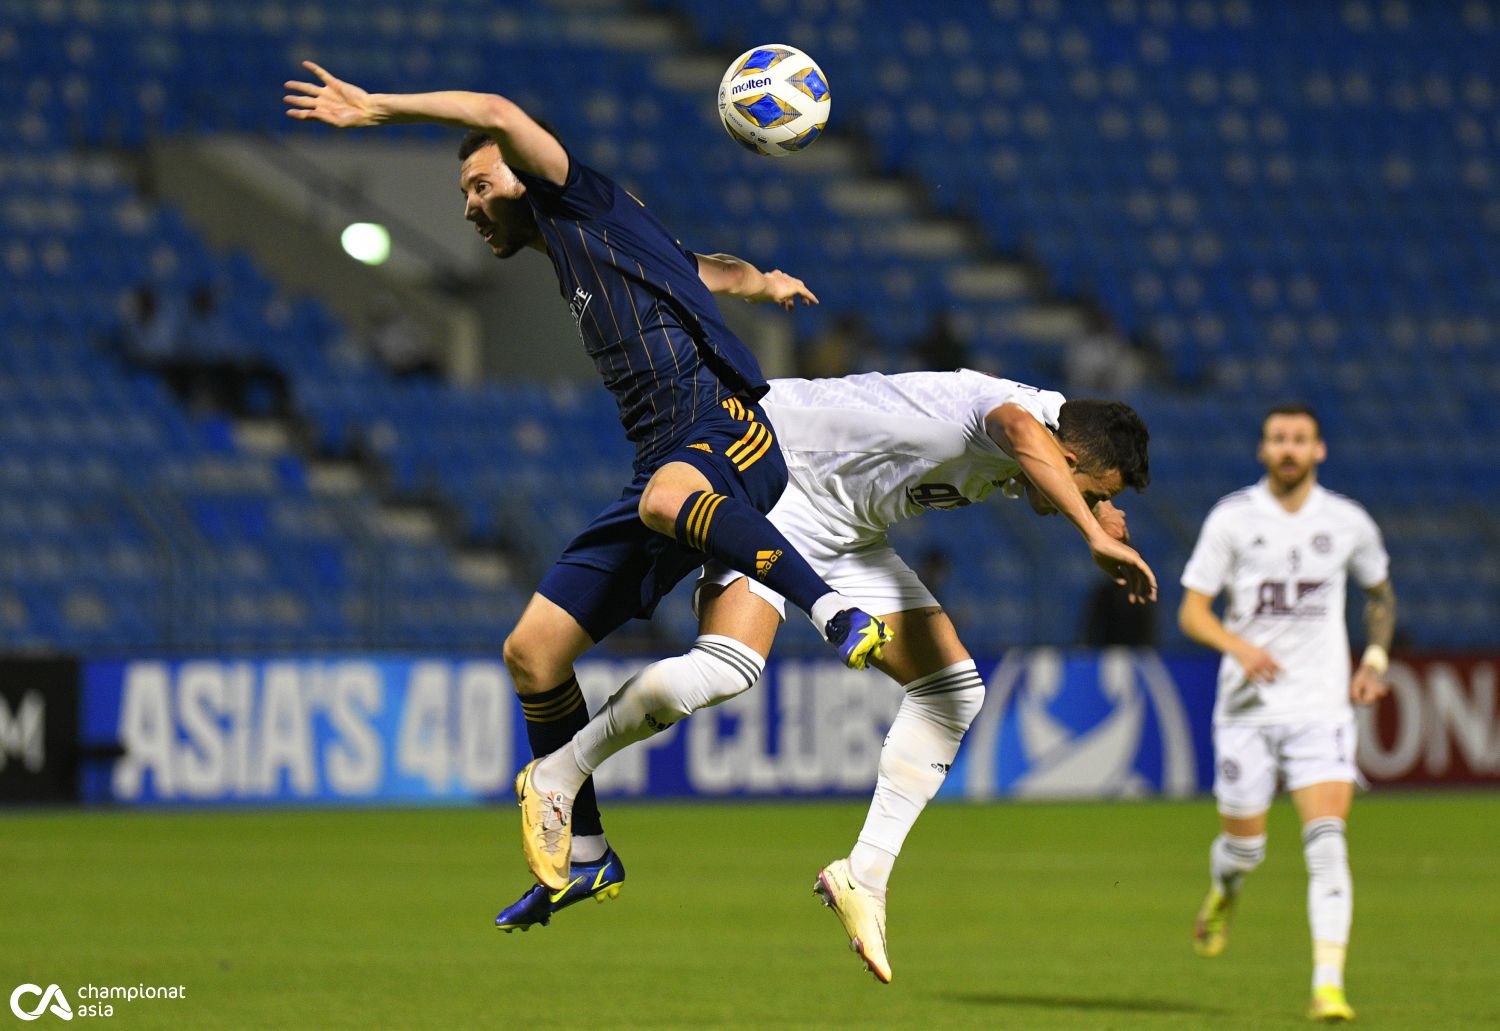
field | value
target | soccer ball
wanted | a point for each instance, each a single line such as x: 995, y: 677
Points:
x: 774, y: 100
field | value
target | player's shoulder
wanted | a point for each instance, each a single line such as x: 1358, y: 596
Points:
x: 1233, y: 503
x: 1343, y: 501
x: 984, y: 393
x: 584, y: 194
x: 1345, y: 507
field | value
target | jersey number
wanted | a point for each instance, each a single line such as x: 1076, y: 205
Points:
x: 937, y: 495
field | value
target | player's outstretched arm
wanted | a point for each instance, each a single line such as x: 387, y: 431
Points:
x: 735, y: 277
x: 1197, y: 620
x: 1369, y: 683
x: 1044, y: 463
x: 524, y: 144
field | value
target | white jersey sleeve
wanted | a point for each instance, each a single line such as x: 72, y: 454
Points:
x: 1211, y: 564
x: 871, y: 450
x: 1368, y: 563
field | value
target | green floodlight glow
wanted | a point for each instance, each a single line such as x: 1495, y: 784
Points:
x: 369, y: 242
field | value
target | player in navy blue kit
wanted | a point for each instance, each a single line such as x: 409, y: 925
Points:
x: 707, y: 466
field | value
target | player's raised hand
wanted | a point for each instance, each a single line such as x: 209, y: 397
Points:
x: 784, y: 290
x: 330, y: 100
x: 1367, y: 686
x: 1125, y: 566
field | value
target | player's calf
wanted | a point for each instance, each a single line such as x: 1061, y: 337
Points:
x: 1330, y: 898
x: 716, y: 668
x: 1231, y: 858
x: 919, y: 748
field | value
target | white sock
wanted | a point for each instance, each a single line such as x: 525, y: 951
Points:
x: 871, y: 866
x: 715, y: 669
x: 1330, y: 897
x: 559, y: 770
x: 589, y: 848
x: 1231, y: 857
x: 918, y: 749
x: 826, y: 607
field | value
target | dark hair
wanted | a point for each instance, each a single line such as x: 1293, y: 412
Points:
x: 1295, y: 408
x: 1107, y: 435
x: 474, y: 139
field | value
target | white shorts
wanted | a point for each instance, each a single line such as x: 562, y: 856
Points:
x: 1249, y: 758
x: 868, y: 571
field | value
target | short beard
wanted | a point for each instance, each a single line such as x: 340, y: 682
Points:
x: 1302, y: 477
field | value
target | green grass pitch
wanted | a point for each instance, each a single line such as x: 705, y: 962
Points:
x: 1002, y: 916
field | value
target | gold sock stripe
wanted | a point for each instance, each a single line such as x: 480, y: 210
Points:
x: 571, y: 690
x: 692, y: 519
x: 708, y: 518
x: 555, y: 712
x: 703, y: 514
x: 548, y: 712
x: 552, y: 710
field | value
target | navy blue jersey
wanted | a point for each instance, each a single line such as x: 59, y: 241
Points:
x: 652, y: 328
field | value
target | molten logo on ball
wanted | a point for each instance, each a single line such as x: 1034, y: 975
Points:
x: 774, y: 100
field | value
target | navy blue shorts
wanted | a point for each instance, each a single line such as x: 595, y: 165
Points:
x: 617, y: 569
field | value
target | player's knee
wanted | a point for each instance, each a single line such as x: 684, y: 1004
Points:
x: 1240, y: 854
x: 1324, y: 846
x: 951, y: 697
x: 531, y: 667
x: 659, y: 507
x: 713, y: 671
x: 966, y: 704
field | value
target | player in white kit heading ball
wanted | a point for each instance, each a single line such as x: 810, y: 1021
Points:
x: 863, y: 453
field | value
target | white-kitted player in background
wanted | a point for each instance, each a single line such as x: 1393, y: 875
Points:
x: 1283, y: 550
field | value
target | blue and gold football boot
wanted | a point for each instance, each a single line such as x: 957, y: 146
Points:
x: 598, y: 880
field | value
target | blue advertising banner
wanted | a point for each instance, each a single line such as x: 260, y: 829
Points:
x: 441, y: 731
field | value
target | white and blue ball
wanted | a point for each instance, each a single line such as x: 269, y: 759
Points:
x: 774, y: 100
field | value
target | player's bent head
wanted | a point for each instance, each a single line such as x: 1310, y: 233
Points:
x: 1107, y: 435
x: 1292, y: 412
x: 494, y: 198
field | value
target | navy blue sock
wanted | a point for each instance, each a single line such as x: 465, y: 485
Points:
x: 746, y: 541
x: 552, y: 718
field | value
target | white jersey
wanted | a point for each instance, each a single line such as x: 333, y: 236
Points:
x: 1286, y: 576
x: 871, y: 450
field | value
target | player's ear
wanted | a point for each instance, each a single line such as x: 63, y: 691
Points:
x: 1320, y: 453
x: 1071, y: 456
